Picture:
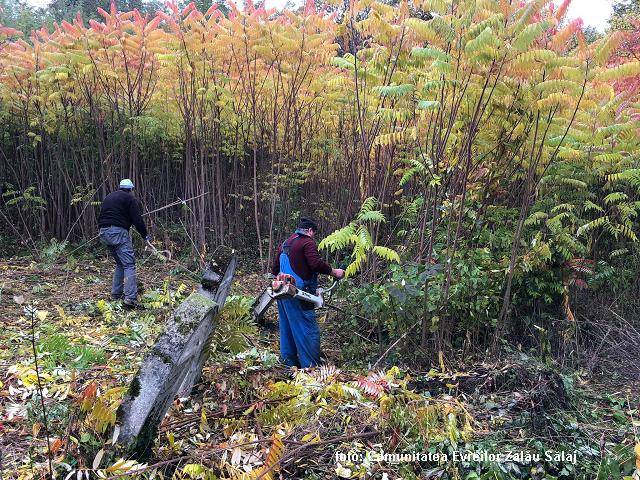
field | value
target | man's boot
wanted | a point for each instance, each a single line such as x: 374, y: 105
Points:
x: 133, y: 304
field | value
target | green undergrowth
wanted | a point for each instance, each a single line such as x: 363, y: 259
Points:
x: 250, y: 416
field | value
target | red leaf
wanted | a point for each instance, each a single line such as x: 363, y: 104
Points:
x: 67, y: 26
x: 136, y: 14
x: 163, y: 16
x: 562, y: 9
x: 188, y: 8
x: 97, y: 27
x: 211, y: 9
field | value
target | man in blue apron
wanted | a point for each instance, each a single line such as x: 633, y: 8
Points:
x: 299, y: 332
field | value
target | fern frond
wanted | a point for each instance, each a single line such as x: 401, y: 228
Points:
x: 364, y: 237
x: 589, y: 205
x: 428, y: 105
x: 495, y: 22
x: 340, y: 238
x: 408, y: 174
x: 606, y: 48
x: 555, y: 86
x: 598, y: 222
x: 563, y: 206
x: 630, y: 69
x: 375, y: 216
x: 393, y: 90
x: 626, y: 231
x: 535, y: 218
x: 326, y: 374
x: 370, y: 387
x: 530, y: 34
x: 352, y: 268
x: 618, y: 252
x: 368, y: 205
x: 479, y: 43
x: 624, y: 175
x: 615, y: 197
x: 272, y: 457
x: 437, y: 6
x: 442, y: 28
x: 429, y: 53
x: 386, y: 253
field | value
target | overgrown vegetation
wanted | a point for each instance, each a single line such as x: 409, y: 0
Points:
x: 496, y: 144
x: 473, y: 164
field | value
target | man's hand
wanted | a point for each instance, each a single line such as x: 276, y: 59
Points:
x: 337, y: 273
x: 148, y: 238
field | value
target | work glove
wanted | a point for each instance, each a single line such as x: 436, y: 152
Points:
x: 148, y: 238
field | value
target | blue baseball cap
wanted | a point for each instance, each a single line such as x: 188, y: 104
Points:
x: 126, y: 183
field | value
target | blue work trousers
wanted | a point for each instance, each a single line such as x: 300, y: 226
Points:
x: 119, y: 244
x: 299, y: 331
x: 299, y: 334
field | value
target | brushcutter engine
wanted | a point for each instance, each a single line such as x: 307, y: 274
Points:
x: 284, y: 286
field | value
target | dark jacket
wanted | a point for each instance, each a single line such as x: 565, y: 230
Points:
x: 304, y: 258
x: 122, y: 210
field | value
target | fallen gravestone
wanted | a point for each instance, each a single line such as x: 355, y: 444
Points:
x: 175, y: 362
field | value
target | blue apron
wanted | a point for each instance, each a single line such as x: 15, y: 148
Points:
x: 299, y: 332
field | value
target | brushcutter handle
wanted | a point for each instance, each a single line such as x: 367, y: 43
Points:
x: 335, y: 280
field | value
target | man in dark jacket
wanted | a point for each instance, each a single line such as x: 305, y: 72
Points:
x: 299, y: 332
x: 119, y: 211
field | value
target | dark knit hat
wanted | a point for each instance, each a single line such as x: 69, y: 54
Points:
x: 306, y: 222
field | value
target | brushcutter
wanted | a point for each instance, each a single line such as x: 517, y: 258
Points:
x: 284, y: 286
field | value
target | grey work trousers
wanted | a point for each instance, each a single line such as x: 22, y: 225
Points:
x: 119, y: 244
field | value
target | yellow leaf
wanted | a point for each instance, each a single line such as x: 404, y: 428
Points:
x: 343, y: 472
x: 98, y: 458
x: 36, y: 429
x: 42, y: 314
x: 121, y: 464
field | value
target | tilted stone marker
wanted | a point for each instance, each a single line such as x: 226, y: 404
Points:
x: 175, y: 362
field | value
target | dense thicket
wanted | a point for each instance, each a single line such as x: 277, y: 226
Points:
x: 492, y: 140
